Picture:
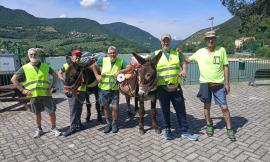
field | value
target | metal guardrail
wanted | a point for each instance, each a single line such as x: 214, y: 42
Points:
x: 239, y: 71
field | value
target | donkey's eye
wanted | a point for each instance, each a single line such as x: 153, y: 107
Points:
x: 147, y: 76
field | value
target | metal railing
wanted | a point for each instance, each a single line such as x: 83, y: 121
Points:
x: 239, y: 71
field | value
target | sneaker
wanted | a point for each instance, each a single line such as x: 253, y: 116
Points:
x: 56, y: 132
x: 69, y: 132
x: 231, y: 135
x: 209, y: 130
x: 38, y: 133
x: 168, y: 135
x: 114, y: 128
x: 107, y: 128
x: 190, y: 136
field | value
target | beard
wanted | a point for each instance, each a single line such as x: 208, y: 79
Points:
x: 166, y: 48
x: 34, y: 61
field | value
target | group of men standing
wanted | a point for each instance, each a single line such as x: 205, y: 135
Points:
x: 214, y: 80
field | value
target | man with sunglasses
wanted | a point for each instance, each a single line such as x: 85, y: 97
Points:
x: 33, y: 81
x: 214, y: 79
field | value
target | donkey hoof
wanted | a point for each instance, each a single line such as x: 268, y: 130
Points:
x: 142, y: 131
x: 100, y: 120
x: 157, y: 130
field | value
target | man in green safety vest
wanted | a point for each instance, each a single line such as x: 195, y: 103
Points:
x: 110, y: 66
x: 64, y: 68
x: 169, y: 89
x: 32, y: 79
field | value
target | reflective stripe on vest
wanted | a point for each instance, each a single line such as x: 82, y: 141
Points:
x: 108, y: 81
x: 168, y: 70
x: 37, y: 81
x: 81, y: 88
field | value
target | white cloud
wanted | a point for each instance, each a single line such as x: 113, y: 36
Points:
x: 97, y: 4
x: 63, y: 16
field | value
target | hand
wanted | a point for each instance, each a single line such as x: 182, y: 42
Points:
x: 98, y: 77
x: 227, y: 88
x: 53, y: 90
x: 26, y: 92
x: 115, y: 74
x: 183, y: 74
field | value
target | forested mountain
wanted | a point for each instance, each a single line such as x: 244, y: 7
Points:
x: 58, y: 36
x: 227, y: 32
x: 134, y: 34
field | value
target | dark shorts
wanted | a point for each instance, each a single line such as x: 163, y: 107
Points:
x: 39, y: 104
x: 107, y: 97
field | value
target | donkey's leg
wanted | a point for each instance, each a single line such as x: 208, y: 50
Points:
x: 136, y: 104
x: 99, y: 116
x: 128, y: 106
x: 154, y: 115
x: 88, y: 108
x: 141, y: 115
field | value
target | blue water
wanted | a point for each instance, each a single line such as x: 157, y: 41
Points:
x: 193, y: 74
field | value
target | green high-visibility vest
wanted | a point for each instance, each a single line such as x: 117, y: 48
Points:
x: 37, y: 81
x: 81, y: 88
x: 168, y: 70
x: 65, y: 65
x: 108, y: 81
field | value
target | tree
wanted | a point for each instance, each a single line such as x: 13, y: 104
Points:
x: 251, y: 12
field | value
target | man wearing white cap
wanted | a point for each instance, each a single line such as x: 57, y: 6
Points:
x: 214, y: 79
x: 169, y: 89
x: 36, y: 86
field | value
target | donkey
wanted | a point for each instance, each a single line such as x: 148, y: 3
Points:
x: 78, y: 73
x: 146, y: 78
x: 92, y: 88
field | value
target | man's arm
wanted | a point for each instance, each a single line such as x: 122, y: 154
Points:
x: 61, y: 75
x: 18, y: 85
x: 95, y: 70
x: 227, y: 78
x: 184, y: 69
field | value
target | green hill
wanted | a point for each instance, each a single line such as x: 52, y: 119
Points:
x: 227, y: 32
x: 134, y: 34
x: 59, y: 36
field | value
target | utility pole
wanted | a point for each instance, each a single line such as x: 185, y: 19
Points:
x: 212, y: 22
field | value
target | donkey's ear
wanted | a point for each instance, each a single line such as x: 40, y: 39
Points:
x: 156, y: 58
x: 140, y: 59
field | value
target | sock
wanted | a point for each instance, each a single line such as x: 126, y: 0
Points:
x: 53, y: 126
x: 108, y: 121
x: 114, y: 122
x: 39, y: 128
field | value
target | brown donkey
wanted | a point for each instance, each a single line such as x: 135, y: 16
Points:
x: 144, y: 89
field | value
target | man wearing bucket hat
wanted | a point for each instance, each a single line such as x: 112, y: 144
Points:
x: 169, y: 89
x: 110, y: 66
x: 214, y: 79
x: 76, y: 101
x: 34, y: 77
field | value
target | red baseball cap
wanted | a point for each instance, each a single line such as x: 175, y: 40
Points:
x: 76, y: 52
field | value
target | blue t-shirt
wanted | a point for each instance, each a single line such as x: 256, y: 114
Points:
x: 99, y: 62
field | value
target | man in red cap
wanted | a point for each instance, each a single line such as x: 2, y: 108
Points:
x: 76, y: 101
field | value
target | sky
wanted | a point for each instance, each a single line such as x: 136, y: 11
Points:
x: 180, y: 18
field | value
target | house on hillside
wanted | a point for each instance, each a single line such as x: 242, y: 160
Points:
x: 239, y: 42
